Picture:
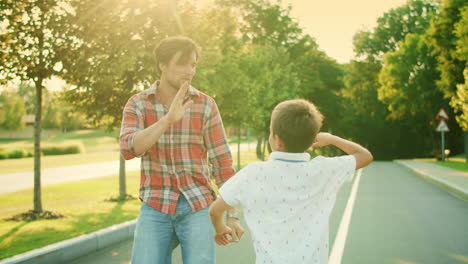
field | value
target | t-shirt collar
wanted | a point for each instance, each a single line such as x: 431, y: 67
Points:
x: 289, y: 157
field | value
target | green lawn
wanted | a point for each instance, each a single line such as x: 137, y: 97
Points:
x: 81, y: 202
x: 455, y: 164
x: 93, y: 140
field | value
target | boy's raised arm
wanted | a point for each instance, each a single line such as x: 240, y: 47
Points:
x: 362, y: 155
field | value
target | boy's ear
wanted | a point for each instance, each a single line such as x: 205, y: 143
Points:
x: 279, y: 141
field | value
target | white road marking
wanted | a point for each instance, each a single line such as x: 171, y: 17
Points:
x: 340, y: 240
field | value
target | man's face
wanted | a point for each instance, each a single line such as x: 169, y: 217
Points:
x: 177, y: 71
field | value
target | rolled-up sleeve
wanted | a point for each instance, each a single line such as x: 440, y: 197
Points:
x: 217, y: 147
x: 132, y: 122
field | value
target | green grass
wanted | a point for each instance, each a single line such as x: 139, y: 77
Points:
x: 82, y: 203
x: 96, y: 140
x: 455, y: 164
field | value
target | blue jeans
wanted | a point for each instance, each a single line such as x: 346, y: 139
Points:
x: 158, y: 234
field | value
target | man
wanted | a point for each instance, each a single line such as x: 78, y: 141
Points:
x: 178, y: 132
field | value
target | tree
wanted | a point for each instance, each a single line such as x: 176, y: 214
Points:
x: 459, y: 101
x: 405, y: 75
x: 444, y: 39
x: 27, y: 92
x: 408, y: 88
x: 392, y: 28
x: 29, y: 44
x: 366, y: 121
x: 446, y: 33
x: 12, y: 111
x: 104, y: 61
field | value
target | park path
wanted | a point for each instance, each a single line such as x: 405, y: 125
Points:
x: 397, y: 218
x: 10, y: 182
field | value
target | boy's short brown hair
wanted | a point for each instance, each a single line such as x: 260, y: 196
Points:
x: 297, y: 123
x: 168, y: 47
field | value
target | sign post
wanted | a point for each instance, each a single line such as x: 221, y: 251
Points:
x: 442, y: 128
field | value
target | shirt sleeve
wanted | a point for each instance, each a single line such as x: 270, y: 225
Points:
x: 233, y: 191
x: 217, y: 146
x: 339, y: 170
x: 132, y: 122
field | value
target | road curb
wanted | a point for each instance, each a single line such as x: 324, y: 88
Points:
x: 67, y: 250
x: 445, y: 185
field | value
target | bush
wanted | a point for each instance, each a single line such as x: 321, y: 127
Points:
x: 61, y: 150
x: 17, y: 154
x: 3, y: 155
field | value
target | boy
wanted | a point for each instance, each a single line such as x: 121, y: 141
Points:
x: 288, y: 199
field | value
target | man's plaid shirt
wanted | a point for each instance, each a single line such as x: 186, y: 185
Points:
x: 178, y: 163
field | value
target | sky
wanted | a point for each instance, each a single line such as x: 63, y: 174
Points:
x: 334, y: 22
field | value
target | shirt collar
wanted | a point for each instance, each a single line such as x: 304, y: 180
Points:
x: 154, y: 87
x: 289, y: 157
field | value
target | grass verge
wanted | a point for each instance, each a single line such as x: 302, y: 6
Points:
x: 82, y: 203
x: 453, y: 164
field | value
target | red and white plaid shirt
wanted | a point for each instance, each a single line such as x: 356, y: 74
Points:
x: 178, y: 163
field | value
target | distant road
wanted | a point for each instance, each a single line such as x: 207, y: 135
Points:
x: 11, y: 182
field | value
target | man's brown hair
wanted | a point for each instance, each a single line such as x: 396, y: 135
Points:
x: 168, y: 47
x: 297, y: 123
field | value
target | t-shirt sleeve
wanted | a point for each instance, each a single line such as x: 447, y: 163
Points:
x: 233, y: 190
x: 340, y: 169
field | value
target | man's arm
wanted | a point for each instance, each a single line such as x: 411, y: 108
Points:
x: 362, y: 155
x: 147, y: 137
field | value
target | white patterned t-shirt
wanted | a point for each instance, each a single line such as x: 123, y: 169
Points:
x: 286, y: 202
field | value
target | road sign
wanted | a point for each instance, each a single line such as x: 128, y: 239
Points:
x: 442, y: 127
x: 442, y: 115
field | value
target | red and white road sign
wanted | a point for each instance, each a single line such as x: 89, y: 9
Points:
x: 442, y: 115
x: 442, y: 127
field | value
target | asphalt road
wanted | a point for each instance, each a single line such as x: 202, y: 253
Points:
x: 397, y: 218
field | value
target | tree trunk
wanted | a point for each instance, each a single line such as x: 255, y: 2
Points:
x: 238, y: 148
x: 466, y: 146
x: 263, y: 149
x: 258, y: 149
x: 37, y: 147
x: 122, y: 183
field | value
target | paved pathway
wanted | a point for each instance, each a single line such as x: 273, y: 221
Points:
x: 10, y: 182
x: 398, y: 218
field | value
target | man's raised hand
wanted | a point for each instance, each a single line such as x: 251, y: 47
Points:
x: 178, y: 106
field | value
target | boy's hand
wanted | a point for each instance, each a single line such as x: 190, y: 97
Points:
x: 323, y: 139
x: 223, y: 235
x: 179, y: 104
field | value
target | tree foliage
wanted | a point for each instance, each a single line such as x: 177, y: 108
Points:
x: 12, y: 110
x: 392, y: 28
x: 28, y: 51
